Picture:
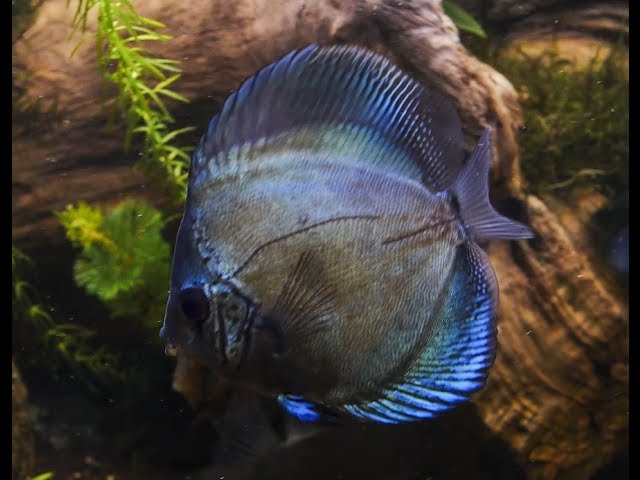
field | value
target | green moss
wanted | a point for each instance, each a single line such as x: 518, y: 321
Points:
x: 42, y: 343
x: 576, y: 119
x: 576, y: 135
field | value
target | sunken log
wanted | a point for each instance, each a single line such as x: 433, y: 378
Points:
x: 556, y: 401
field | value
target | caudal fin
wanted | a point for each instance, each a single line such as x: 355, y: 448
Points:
x: 471, y: 189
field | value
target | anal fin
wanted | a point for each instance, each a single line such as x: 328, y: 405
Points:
x: 458, y: 354
x: 308, y: 411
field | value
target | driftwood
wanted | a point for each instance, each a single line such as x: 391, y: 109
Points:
x: 557, y: 398
x: 22, y: 446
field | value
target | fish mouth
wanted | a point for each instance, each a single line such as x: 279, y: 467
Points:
x: 192, y: 352
x: 182, y: 342
x: 171, y: 350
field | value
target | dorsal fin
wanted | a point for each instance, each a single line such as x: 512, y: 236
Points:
x: 471, y: 190
x: 355, y: 97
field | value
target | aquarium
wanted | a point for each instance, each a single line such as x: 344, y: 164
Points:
x: 340, y: 240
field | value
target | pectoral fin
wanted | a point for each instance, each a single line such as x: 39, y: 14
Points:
x: 304, y: 307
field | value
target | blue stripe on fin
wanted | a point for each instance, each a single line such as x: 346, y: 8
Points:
x: 391, y: 415
x: 309, y: 411
x: 298, y: 407
x: 463, y: 346
x: 364, y: 414
x: 331, y: 88
x: 394, y: 412
x: 436, y: 395
x: 457, y: 356
x: 462, y: 386
x: 414, y: 403
x: 399, y: 411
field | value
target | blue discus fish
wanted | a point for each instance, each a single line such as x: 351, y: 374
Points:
x: 327, y: 256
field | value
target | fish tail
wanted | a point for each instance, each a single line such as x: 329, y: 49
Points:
x: 471, y: 191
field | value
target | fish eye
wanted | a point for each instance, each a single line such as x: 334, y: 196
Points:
x: 194, y: 305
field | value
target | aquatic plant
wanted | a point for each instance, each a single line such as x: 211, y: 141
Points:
x: 575, y: 138
x: 22, y: 305
x: 124, y: 260
x: 43, y: 476
x: 462, y: 19
x: 56, y: 346
x: 142, y: 82
x: 576, y: 119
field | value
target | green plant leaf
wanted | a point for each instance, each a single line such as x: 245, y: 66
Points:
x: 171, y: 135
x: 134, y: 228
x: 127, y: 262
x: 462, y: 19
x: 576, y: 118
x: 142, y: 82
x: 81, y: 223
x: 43, y: 476
x: 81, y: 352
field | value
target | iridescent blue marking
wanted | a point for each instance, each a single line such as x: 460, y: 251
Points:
x: 393, y: 414
x: 361, y: 413
x: 299, y: 408
x: 438, y: 395
x: 413, y: 403
x: 410, y: 415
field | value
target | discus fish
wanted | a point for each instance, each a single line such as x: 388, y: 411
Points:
x: 327, y: 255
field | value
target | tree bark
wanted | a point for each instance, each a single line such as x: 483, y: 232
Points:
x: 558, y: 393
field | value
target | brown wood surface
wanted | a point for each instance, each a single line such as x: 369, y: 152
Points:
x: 22, y: 443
